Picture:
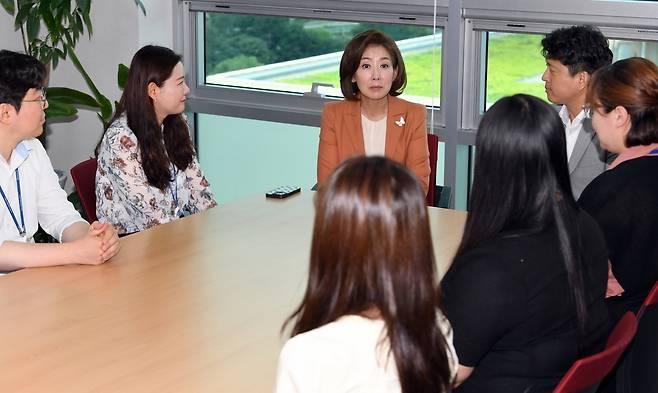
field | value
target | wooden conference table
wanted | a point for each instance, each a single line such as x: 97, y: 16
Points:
x: 191, y: 306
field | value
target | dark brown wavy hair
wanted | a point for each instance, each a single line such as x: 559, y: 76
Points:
x: 351, y: 59
x: 372, y: 251
x: 154, y: 64
x: 633, y: 84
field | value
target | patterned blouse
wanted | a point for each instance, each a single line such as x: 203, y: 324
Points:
x: 126, y: 200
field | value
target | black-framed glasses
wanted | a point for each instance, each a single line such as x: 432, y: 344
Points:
x: 41, y: 99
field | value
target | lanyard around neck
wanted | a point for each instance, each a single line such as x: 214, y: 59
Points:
x: 174, y: 191
x: 21, y: 228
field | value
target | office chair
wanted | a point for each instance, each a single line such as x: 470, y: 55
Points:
x: 84, y: 178
x: 637, y: 371
x: 586, y: 374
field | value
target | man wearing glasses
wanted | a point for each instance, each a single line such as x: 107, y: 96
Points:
x: 29, y: 189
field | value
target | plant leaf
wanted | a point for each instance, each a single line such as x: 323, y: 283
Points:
x: 84, y: 5
x: 8, y: 5
x: 59, y: 109
x: 71, y: 96
x: 79, y: 26
x: 122, y: 75
x: 33, y: 24
x: 87, y: 20
x: 106, y: 105
x: 60, y: 53
x: 46, y: 54
x: 49, y: 19
x: 66, y: 8
x: 106, y: 108
x: 21, y: 15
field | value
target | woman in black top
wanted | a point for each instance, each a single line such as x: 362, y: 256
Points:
x: 624, y: 200
x: 525, y: 291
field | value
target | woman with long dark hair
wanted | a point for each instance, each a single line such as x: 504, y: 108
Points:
x: 148, y: 173
x: 624, y: 199
x: 371, y: 318
x: 525, y: 291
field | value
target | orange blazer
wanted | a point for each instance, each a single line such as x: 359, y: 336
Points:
x: 341, y: 137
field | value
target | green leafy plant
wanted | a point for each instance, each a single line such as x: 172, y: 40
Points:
x: 65, y: 21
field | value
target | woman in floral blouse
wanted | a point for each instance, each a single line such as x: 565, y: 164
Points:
x: 148, y: 173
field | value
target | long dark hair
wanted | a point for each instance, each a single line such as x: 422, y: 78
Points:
x: 372, y: 250
x: 154, y: 64
x: 522, y: 182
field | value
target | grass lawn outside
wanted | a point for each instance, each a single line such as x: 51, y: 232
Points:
x: 514, y: 65
x: 419, y: 75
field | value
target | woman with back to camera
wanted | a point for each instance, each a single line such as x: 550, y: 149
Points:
x: 148, y: 173
x: 370, y: 320
x: 525, y: 291
x: 624, y: 199
x: 372, y: 120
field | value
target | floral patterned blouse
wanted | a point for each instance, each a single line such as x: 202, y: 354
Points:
x: 126, y: 200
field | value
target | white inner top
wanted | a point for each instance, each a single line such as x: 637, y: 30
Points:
x: 374, y: 136
x: 572, y: 128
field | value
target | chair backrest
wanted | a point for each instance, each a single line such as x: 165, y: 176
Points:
x: 651, y: 299
x: 637, y: 370
x: 588, y: 372
x: 84, y: 178
x: 433, y: 146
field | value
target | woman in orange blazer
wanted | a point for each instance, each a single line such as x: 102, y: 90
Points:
x: 372, y: 120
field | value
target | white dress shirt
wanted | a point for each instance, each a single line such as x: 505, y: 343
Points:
x: 44, y: 201
x: 347, y: 355
x: 572, y: 127
x: 374, y: 136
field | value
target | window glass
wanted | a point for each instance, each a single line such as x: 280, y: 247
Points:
x: 514, y: 63
x: 289, y: 54
x: 243, y: 157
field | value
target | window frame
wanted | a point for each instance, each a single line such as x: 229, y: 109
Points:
x: 473, y: 98
x: 458, y: 115
x: 277, y: 106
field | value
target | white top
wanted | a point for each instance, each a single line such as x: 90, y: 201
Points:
x: 44, y: 201
x: 344, y: 356
x: 374, y: 136
x: 572, y: 127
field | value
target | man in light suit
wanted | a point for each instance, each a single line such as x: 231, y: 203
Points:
x: 572, y: 55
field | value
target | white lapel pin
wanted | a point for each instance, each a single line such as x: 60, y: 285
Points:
x: 400, y: 122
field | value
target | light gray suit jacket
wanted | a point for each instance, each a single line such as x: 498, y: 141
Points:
x: 588, y: 159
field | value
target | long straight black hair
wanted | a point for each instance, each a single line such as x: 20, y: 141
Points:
x: 372, y: 251
x: 154, y: 64
x: 522, y: 182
